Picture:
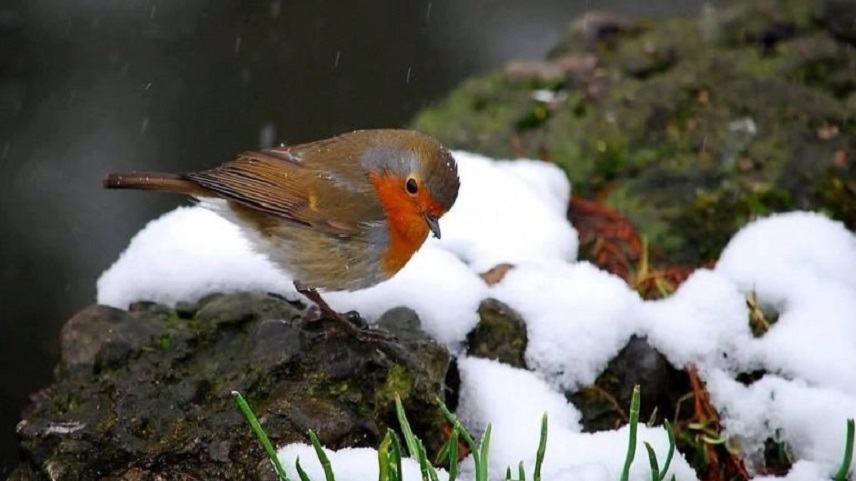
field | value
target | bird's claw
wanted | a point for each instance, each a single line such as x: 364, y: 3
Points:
x: 349, y: 323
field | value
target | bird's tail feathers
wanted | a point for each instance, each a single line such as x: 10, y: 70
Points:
x: 155, y: 181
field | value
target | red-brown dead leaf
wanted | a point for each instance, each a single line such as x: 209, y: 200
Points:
x: 840, y: 159
x: 463, y: 449
x: 495, y: 274
x: 610, y: 241
x: 722, y: 463
x: 607, y: 238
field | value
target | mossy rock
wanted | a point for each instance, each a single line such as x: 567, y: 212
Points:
x: 691, y: 127
x: 146, y: 393
x: 499, y: 335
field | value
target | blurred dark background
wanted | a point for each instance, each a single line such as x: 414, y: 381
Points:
x: 92, y: 86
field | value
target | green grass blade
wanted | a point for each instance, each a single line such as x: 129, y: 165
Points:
x: 396, y: 454
x: 521, y: 473
x: 322, y: 457
x: 443, y: 454
x: 300, y: 472
x: 468, y: 438
x: 481, y: 474
x: 841, y: 475
x: 432, y: 473
x: 453, y: 455
x: 409, y: 438
x: 508, y: 473
x: 652, y: 460
x: 631, y: 443
x: 260, y: 433
x: 542, y: 449
x: 652, y: 418
x: 383, y: 468
x: 671, y: 433
x: 453, y: 420
x: 428, y: 471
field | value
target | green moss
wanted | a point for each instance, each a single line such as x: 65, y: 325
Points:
x: 484, y: 109
x: 399, y: 383
x: 690, y: 126
x: 645, y: 214
x: 839, y: 192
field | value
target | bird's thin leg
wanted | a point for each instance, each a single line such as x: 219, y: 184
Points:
x: 330, y: 313
x: 315, y: 297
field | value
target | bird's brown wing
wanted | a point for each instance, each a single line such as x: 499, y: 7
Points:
x: 333, y: 195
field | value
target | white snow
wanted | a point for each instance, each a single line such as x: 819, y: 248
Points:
x: 349, y: 464
x: 184, y: 255
x: 513, y: 401
x: 773, y: 256
x: 801, y: 265
x: 812, y: 285
x: 508, y: 212
x: 577, y: 317
x: 800, y: 471
x: 810, y: 419
x: 704, y: 323
x: 448, y: 314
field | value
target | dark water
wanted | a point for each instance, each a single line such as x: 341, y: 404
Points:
x: 91, y: 86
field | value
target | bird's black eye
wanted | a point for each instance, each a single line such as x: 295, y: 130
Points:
x: 411, y: 186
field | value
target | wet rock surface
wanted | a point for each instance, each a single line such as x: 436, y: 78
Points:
x: 500, y: 334
x: 690, y: 127
x: 146, y: 392
x: 604, y: 404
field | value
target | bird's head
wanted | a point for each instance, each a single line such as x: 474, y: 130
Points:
x: 416, y: 179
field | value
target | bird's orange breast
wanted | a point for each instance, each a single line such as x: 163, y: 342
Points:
x: 405, y: 223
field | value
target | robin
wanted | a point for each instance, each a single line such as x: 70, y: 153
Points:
x: 343, y: 213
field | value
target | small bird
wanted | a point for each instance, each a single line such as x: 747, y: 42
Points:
x: 344, y: 213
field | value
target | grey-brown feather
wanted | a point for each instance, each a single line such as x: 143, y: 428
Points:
x: 308, y: 192
x: 315, y: 259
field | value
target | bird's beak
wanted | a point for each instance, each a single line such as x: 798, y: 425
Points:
x: 433, y: 224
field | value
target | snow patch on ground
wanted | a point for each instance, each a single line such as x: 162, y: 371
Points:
x: 448, y: 314
x: 513, y: 401
x: 577, y: 317
x: 802, y: 266
x: 705, y: 322
x: 349, y: 464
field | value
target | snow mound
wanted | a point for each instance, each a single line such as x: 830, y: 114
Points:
x: 184, y: 255
x: 513, y: 401
x: 577, y: 317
